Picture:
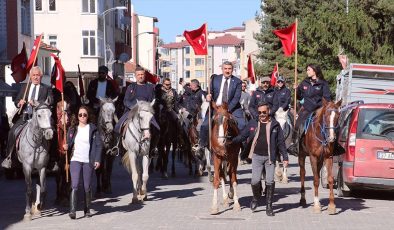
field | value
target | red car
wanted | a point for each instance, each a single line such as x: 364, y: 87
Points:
x: 367, y: 135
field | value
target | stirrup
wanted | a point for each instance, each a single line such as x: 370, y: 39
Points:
x: 196, y: 147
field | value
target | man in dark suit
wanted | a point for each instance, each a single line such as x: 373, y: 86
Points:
x: 37, y: 91
x: 225, y: 88
x: 103, y: 87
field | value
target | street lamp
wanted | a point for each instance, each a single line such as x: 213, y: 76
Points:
x: 103, y: 15
x: 136, y: 38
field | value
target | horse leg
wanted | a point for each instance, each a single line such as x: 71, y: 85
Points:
x: 301, y: 163
x: 208, y: 162
x: 316, y: 178
x: 107, y: 171
x: 40, y: 193
x: 27, y: 172
x: 331, y: 205
x: 225, y: 197
x: 234, y: 183
x: 216, y: 181
x: 164, y: 167
x: 134, y: 176
x: 145, y: 177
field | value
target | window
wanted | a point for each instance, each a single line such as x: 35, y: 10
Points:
x: 224, y: 49
x: 89, y: 6
x: 38, y: 6
x: 187, y: 50
x: 25, y: 18
x: 199, y: 73
x: 52, y: 5
x: 187, y: 61
x: 52, y: 40
x: 187, y: 74
x: 199, y: 61
x: 375, y: 124
x: 89, y: 42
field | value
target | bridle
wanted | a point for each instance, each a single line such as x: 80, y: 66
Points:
x: 37, y: 136
x: 324, y: 128
x: 140, y: 129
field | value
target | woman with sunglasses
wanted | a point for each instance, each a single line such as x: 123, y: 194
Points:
x: 312, y: 90
x: 266, y: 139
x: 84, y: 145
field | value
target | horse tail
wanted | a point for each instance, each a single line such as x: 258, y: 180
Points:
x: 126, y: 162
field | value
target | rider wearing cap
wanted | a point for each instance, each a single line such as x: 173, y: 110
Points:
x: 282, y: 96
x: 264, y: 93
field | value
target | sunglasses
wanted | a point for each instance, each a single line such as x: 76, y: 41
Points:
x: 265, y: 82
x: 280, y: 82
x: 262, y: 112
x: 167, y: 84
x: 82, y: 115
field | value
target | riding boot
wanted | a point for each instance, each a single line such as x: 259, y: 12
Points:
x: 88, y: 201
x: 7, y: 163
x: 269, y: 198
x: 293, y: 149
x: 256, y: 189
x: 73, y: 204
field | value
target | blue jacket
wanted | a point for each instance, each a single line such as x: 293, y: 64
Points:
x: 259, y: 96
x: 277, y: 139
x: 282, y: 98
x: 132, y: 95
x: 192, y: 100
x: 96, y: 145
x: 313, y: 95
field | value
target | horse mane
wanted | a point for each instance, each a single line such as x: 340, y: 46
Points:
x: 140, y: 106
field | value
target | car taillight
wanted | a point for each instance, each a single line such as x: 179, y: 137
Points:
x: 352, y: 140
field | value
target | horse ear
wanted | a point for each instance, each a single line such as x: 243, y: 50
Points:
x: 101, y: 100
x: 153, y: 102
x: 339, y: 103
x: 225, y: 106
x: 214, y: 106
x: 324, y: 102
x: 47, y: 101
x: 36, y: 103
x: 115, y: 99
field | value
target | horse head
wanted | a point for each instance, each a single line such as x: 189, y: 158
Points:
x: 144, y: 116
x: 42, y: 118
x: 106, y: 114
x: 331, y: 112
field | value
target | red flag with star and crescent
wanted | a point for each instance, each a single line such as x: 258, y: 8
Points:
x: 288, y: 37
x: 18, y: 65
x: 274, y: 75
x: 57, y: 77
x: 34, y: 53
x: 251, y: 75
x: 198, y: 39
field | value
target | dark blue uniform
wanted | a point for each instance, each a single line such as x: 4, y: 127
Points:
x: 282, y: 99
x: 193, y: 101
x: 259, y: 96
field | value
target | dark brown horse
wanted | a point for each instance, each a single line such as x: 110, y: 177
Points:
x: 318, y: 144
x: 224, y: 126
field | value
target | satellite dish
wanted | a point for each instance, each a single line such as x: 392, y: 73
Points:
x: 124, y: 57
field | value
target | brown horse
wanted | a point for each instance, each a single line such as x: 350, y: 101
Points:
x: 318, y: 143
x: 224, y: 126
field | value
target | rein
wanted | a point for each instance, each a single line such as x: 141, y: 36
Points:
x: 140, y: 141
x: 323, y: 129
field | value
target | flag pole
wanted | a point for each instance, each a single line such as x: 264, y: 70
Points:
x: 66, y: 167
x: 208, y: 81
x: 28, y: 81
x: 295, y: 72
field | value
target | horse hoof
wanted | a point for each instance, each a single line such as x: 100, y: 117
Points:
x: 214, y: 210
x: 285, y: 181
x: 237, y: 207
x: 332, y: 210
x: 317, y: 209
x: 35, y: 211
x: 303, y: 202
x: 27, y: 217
x: 225, y: 203
x: 135, y: 200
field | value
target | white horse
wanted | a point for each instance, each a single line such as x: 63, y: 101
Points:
x: 33, y: 154
x: 136, y: 141
x: 282, y: 117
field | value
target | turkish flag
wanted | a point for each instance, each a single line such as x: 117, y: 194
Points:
x: 251, y: 75
x: 151, y: 78
x: 288, y: 37
x: 34, y: 53
x: 198, y: 40
x: 57, y: 76
x: 18, y: 66
x: 274, y: 75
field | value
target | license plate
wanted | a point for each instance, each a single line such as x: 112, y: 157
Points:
x: 385, y: 155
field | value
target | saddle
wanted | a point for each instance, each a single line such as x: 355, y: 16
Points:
x: 17, y: 134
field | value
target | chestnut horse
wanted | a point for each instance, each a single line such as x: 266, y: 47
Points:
x: 224, y: 126
x: 318, y: 143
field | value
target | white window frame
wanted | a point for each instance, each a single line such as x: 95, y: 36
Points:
x: 187, y: 50
x: 224, y: 49
x: 186, y: 74
x: 49, y: 6
x: 199, y: 75
x: 88, y: 12
x: 186, y: 62
x: 201, y: 63
x: 89, y: 36
x: 42, y: 6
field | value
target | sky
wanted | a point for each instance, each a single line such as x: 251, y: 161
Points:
x: 175, y: 16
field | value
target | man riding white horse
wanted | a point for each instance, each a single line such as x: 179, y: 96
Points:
x: 37, y: 91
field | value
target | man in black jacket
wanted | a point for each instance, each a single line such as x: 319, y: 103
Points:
x: 264, y: 93
x: 37, y: 91
x: 282, y: 96
x: 267, y: 140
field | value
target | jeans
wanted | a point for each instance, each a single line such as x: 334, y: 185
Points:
x: 258, y: 164
x: 87, y: 173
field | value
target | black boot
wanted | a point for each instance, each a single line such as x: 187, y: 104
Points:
x: 270, y: 196
x: 293, y: 149
x: 88, y: 201
x: 256, y: 189
x: 73, y: 203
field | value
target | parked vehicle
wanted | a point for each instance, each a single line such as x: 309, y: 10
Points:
x: 366, y: 129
